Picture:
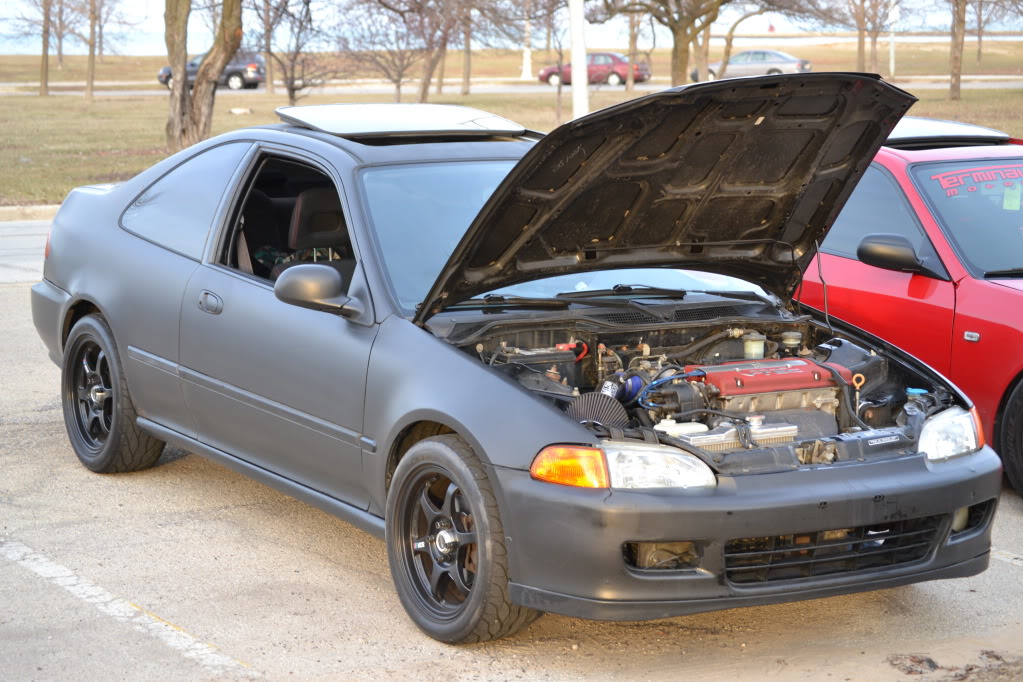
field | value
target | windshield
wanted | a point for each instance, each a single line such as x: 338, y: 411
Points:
x: 978, y: 205
x: 421, y: 211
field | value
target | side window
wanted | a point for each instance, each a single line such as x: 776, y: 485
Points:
x: 290, y: 214
x: 740, y: 58
x: 877, y: 205
x: 177, y: 210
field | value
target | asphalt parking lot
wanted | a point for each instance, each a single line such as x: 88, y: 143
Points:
x: 189, y: 571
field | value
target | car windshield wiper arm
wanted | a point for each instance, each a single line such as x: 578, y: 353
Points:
x: 626, y: 290
x: 1008, y: 272
x: 497, y: 300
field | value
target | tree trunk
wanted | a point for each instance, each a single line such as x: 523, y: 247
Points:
x: 397, y: 92
x: 630, y: 79
x: 225, y: 43
x: 861, y: 49
x: 956, y: 52
x: 430, y: 66
x: 61, y: 28
x: 440, y: 68
x: 268, y: 46
x: 873, y: 53
x: 701, y: 51
x: 466, y: 56
x: 680, y: 53
x: 175, y: 18
x: 44, y: 62
x: 90, y: 69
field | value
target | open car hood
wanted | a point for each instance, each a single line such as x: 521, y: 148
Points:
x: 739, y: 177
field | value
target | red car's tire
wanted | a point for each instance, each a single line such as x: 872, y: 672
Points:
x: 1010, y: 438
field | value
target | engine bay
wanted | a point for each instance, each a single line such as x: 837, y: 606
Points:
x: 749, y: 397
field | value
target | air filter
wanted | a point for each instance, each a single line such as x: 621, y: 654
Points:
x: 599, y: 408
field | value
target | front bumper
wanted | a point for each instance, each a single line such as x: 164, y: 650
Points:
x: 565, y: 544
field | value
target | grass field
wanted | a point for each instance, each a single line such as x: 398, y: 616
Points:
x: 50, y: 144
x: 1000, y: 58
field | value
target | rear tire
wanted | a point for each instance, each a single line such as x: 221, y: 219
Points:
x: 1010, y: 438
x: 614, y: 79
x: 98, y: 411
x: 235, y: 81
x: 445, y: 545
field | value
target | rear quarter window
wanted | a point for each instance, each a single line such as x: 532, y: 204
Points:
x: 177, y: 211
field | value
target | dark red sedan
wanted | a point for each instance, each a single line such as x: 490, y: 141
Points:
x: 928, y: 254
x: 602, y: 67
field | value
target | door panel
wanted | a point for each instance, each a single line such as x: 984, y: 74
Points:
x: 911, y: 311
x: 279, y: 386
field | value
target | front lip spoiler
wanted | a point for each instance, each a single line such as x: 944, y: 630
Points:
x: 601, y: 609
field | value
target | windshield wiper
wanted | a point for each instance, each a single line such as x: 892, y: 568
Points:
x: 1009, y: 272
x: 626, y: 290
x: 497, y: 300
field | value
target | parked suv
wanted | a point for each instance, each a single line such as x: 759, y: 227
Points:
x: 245, y: 70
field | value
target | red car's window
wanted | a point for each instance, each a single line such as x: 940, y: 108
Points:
x: 863, y: 214
x: 979, y: 204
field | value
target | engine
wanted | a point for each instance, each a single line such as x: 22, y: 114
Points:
x: 773, y: 393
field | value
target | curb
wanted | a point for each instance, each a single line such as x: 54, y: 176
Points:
x: 40, y: 212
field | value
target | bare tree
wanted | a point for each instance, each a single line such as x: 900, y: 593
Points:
x: 60, y: 17
x: 433, y: 23
x: 955, y: 66
x: 269, y: 14
x: 730, y: 37
x: 191, y: 111
x: 986, y: 12
x: 686, y: 19
x: 300, y: 47
x: 90, y: 70
x: 375, y: 40
x: 44, y: 63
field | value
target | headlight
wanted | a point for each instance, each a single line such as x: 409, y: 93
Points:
x: 645, y: 465
x: 950, y: 433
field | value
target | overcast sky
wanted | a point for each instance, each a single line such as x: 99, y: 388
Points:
x: 145, y: 37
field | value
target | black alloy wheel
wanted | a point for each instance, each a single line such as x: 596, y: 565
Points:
x: 440, y: 552
x: 99, y: 414
x: 445, y: 545
x: 93, y: 394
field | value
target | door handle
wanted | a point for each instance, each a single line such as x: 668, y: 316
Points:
x: 210, y: 303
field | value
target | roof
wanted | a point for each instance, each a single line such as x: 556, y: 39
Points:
x: 913, y: 132
x: 355, y: 121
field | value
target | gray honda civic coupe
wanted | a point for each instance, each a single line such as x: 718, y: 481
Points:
x: 557, y: 372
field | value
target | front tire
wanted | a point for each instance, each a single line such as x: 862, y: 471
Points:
x: 235, y: 81
x: 1010, y: 439
x: 553, y: 80
x: 445, y: 545
x: 98, y: 411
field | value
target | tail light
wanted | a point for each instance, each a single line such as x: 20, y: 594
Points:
x: 46, y: 251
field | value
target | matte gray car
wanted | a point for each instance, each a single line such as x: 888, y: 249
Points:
x: 556, y: 373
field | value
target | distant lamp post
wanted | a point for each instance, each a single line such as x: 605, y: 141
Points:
x: 893, y: 17
x: 527, y: 52
x: 580, y: 86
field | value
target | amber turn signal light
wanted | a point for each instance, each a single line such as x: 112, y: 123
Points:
x: 977, y: 424
x: 573, y: 465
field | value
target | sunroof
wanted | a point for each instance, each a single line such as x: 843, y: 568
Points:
x: 413, y: 120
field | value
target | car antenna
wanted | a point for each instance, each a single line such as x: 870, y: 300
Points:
x: 824, y: 286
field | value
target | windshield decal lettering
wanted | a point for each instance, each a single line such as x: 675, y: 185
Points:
x: 969, y: 178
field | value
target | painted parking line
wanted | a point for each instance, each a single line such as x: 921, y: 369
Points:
x: 123, y: 611
x: 1007, y: 557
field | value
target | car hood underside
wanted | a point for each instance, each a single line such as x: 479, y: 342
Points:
x: 740, y: 177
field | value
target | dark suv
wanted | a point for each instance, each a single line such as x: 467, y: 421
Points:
x: 245, y: 70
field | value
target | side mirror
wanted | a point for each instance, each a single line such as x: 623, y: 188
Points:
x: 317, y: 287
x: 890, y: 252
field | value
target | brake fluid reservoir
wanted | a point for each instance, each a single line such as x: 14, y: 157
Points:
x: 676, y: 429
x: 753, y: 345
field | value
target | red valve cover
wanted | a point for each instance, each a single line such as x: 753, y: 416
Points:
x: 768, y: 376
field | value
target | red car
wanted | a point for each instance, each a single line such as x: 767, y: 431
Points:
x: 928, y: 254
x: 603, y: 67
